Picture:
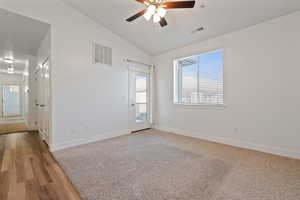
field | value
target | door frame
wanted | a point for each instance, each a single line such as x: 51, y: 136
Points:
x: 47, y: 137
x: 133, y: 70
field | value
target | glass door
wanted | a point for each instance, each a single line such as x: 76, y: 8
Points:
x: 11, y: 101
x: 139, y: 100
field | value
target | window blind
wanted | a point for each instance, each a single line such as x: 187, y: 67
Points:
x: 199, y: 79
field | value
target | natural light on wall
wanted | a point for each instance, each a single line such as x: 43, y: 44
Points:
x: 198, y: 80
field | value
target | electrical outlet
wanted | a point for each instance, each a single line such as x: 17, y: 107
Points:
x: 236, y: 130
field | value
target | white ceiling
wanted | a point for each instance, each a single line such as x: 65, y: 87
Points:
x: 20, y: 60
x: 20, y: 37
x: 218, y: 17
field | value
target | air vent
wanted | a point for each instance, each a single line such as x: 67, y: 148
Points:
x: 197, y: 30
x: 102, y: 54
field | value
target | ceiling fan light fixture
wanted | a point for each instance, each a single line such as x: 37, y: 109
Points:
x: 8, y: 60
x: 158, y: 9
x: 147, y: 16
x: 10, y: 70
x: 161, y: 12
x: 151, y: 9
x: 156, y: 18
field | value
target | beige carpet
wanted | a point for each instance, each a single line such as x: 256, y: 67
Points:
x: 155, y: 165
x: 12, y: 128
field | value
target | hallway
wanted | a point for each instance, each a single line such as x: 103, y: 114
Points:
x: 28, y: 170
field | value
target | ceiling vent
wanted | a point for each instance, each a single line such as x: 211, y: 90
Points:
x: 102, y: 54
x: 197, y: 30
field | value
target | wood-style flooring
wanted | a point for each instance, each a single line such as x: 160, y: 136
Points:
x: 12, y: 128
x: 28, y: 171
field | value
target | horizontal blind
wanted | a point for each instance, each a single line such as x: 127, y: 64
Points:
x: 210, y: 92
x: 200, y: 79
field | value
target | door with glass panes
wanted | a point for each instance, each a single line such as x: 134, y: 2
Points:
x: 139, y: 108
x: 10, y: 97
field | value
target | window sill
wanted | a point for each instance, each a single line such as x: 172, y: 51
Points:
x: 201, y: 106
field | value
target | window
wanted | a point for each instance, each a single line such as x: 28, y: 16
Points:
x: 141, y: 98
x: 199, y: 79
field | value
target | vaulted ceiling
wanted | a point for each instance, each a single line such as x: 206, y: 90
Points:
x: 218, y: 17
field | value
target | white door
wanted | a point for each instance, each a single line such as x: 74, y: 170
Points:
x: 44, y: 101
x: 139, y: 100
x: 10, y: 101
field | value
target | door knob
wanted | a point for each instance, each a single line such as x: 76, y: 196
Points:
x: 42, y: 105
x: 132, y: 104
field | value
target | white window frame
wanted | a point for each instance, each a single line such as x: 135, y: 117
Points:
x: 176, y: 84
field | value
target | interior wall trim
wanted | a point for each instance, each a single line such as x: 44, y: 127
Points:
x: 234, y: 142
x: 96, y: 138
x: 11, y: 121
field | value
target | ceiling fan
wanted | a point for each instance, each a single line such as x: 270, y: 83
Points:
x: 158, y: 9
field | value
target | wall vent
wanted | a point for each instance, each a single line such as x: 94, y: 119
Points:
x: 102, y: 54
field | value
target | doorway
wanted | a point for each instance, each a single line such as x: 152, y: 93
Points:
x: 139, y: 100
x: 10, y: 101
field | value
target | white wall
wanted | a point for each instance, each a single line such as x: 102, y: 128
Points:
x: 89, y: 101
x: 32, y: 86
x: 262, y: 81
x: 45, y: 49
x: 11, y: 79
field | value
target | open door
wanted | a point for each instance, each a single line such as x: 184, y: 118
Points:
x: 44, y: 100
x: 139, y: 100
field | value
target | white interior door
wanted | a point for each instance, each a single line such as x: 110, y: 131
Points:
x: 139, y: 101
x: 10, y: 101
x: 44, y: 101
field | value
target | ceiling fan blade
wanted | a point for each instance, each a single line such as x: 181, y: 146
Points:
x: 141, y: 1
x: 130, y: 19
x: 163, y: 22
x: 179, y: 4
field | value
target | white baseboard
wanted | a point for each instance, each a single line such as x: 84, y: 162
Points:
x: 99, y: 137
x: 11, y: 121
x: 234, y: 142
